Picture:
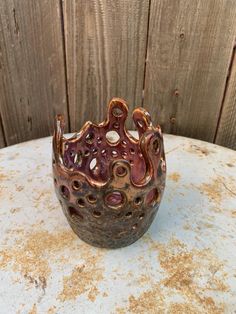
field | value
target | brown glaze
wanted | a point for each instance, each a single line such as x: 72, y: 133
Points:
x: 110, y: 190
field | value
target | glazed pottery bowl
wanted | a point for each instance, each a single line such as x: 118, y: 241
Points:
x: 109, y: 183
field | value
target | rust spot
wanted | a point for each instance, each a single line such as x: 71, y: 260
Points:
x: 3, y: 177
x: 196, y: 276
x: 218, y: 189
x: 174, y: 176
x: 184, y: 270
x: 52, y: 310
x: 182, y: 308
x: 19, y: 188
x: 93, y: 292
x: 39, y: 282
x: 15, y: 210
x: 150, y: 301
x: 144, y: 279
x: 233, y: 214
x: 33, y: 310
x: 199, y: 150
x: 84, y: 277
x: 32, y: 254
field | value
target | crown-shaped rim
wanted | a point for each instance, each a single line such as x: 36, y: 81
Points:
x: 150, y: 144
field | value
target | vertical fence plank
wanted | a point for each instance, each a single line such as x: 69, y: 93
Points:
x: 189, y: 50
x: 32, y: 73
x: 105, y: 49
x: 226, y: 133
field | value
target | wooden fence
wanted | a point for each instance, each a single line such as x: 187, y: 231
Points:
x: 174, y: 57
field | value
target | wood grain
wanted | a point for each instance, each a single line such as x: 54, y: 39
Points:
x: 32, y: 72
x: 105, y: 49
x: 189, y: 50
x: 226, y: 133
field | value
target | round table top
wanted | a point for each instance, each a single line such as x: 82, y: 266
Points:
x: 185, y: 263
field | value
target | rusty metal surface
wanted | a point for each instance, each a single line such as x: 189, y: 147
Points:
x: 185, y: 263
x: 110, y: 190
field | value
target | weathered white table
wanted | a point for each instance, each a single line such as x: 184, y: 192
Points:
x: 186, y: 262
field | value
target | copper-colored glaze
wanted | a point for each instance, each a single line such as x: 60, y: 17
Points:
x: 110, y: 191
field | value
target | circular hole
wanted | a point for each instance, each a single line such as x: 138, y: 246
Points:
x: 89, y: 138
x: 99, y: 140
x: 156, y: 146
x: 124, y: 143
x: 93, y: 164
x: 86, y: 153
x: 121, y: 171
x: 163, y: 165
x: 91, y: 198
x: 134, y: 226
x: 116, y: 125
x: 132, y: 151
x: 135, y: 135
x: 72, y: 153
x: 124, y: 154
x: 140, y: 123
x: 138, y: 200
x: 114, y: 199
x: 76, y: 185
x: 103, y: 152
x: 114, y: 153
x: 131, y: 162
x: 152, y: 197
x: 112, y: 137
x: 74, y: 213
x: 141, y: 216
x: 129, y: 214
x: 81, y: 202
x: 78, y: 158
x: 117, y: 112
x: 97, y: 213
x: 55, y: 180
x: 64, y: 191
x: 94, y: 151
